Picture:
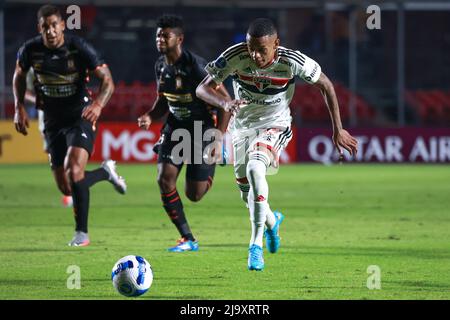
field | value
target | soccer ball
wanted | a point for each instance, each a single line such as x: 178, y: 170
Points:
x: 132, y: 276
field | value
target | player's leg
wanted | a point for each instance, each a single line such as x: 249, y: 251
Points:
x: 195, y: 190
x: 58, y: 172
x: 74, y: 166
x: 247, y: 162
x: 199, y: 176
x: 264, y: 153
x: 263, y: 157
x: 80, y: 141
x: 167, y: 179
x: 62, y: 181
x: 57, y: 149
x: 168, y: 172
x: 240, y: 146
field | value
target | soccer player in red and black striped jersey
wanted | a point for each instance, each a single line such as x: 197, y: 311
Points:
x: 178, y: 73
x: 62, y: 64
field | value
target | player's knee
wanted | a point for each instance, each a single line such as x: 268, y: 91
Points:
x: 166, y: 184
x: 244, y: 187
x: 195, y: 195
x: 256, y: 168
x: 75, y: 172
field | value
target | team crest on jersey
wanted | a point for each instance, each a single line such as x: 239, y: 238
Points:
x: 70, y: 64
x: 178, y: 83
x: 261, y: 83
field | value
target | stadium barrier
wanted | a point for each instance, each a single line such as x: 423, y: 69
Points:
x: 410, y: 145
x: 125, y: 142
x: 16, y: 148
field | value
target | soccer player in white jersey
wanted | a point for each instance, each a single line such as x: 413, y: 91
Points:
x: 263, y: 78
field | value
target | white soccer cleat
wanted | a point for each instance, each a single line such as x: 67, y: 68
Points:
x: 117, y: 181
x: 80, y: 239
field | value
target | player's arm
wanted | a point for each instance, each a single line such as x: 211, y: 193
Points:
x: 93, y: 111
x: 223, y: 117
x: 341, y: 138
x: 210, y: 92
x: 158, y: 110
x: 19, y: 88
x: 30, y: 97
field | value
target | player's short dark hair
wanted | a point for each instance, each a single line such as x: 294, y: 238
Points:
x: 171, y: 21
x: 47, y: 11
x: 261, y: 27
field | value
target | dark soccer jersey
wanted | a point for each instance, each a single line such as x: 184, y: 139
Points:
x: 177, y: 83
x: 60, y: 77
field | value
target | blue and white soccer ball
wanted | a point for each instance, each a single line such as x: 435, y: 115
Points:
x: 132, y: 276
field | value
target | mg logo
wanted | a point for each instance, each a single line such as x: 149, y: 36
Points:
x: 136, y: 145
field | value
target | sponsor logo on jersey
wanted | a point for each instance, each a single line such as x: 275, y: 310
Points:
x: 183, y: 98
x: 313, y: 73
x: 262, y: 102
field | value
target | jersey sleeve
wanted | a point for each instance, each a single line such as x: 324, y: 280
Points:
x: 306, y: 68
x: 198, y: 71
x: 89, y: 54
x: 226, y: 63
x: 158, y: 72
x: 23, y: 57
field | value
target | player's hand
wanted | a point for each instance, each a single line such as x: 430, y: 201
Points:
x: 234, y: 106
x: 343, y: 139
x: 21, y: 120
x: 144, y: 121
x: 92, y: 112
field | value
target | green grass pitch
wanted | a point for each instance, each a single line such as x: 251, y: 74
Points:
x: 339, y: 221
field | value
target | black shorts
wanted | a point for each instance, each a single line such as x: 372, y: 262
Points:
x: 81, y: 134
x: 173, y: 152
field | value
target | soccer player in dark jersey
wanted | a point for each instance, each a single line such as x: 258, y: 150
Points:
x: 62, y: 64
x: 178, y: 73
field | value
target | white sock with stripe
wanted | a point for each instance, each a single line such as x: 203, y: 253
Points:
x: 259, y: 208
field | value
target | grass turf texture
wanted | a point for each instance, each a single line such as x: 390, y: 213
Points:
x: 339, y: 220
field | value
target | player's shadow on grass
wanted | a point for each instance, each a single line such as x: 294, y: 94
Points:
x: 422, y: 285
x: 373, y: 251
x: 225, y: 245
x: 64, y: 249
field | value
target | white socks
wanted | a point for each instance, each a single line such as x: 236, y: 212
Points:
x: 259, y: 208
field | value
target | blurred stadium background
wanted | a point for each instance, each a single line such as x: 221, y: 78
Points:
x: 392, y: 83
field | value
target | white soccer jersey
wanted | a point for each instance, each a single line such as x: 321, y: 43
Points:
x: 268, y: 90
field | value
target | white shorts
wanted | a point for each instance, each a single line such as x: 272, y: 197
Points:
x: 248, y: 145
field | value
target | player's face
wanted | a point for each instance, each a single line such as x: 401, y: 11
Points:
x: 167, y: 40
x: 262, y: 50
x: 52, y: 30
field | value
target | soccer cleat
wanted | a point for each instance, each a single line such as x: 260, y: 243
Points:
x: 67, y: 201
x: 273, y: 235
x: 183, y: 245
x: 117, y: 181
x: 80, y: 239
x: 255, y: 258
